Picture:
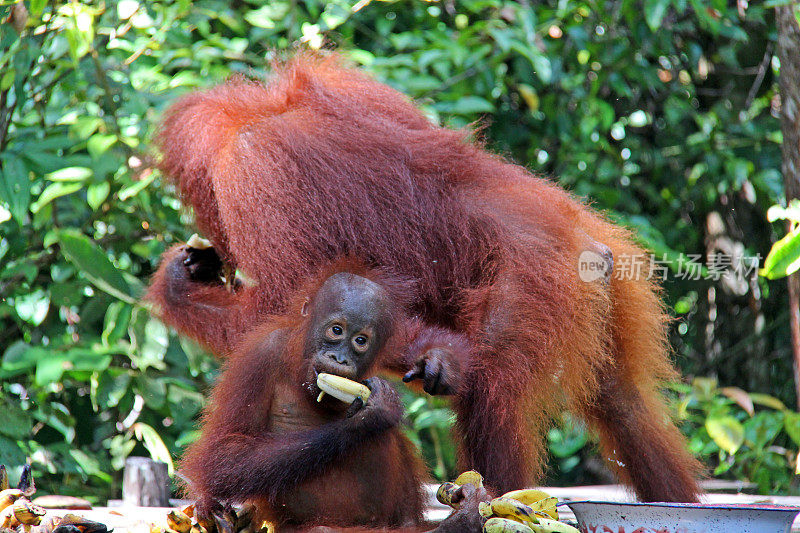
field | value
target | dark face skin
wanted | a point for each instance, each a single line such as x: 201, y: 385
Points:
x: 349, y: 324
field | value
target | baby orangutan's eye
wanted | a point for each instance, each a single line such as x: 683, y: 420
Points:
x: 360, y: 343
x: 334, y: 333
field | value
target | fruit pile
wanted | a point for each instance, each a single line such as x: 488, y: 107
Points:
x: 19, y: 514
x: 518, y: 511
x: 229, y: 520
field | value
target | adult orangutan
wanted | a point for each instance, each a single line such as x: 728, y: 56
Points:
x: 324, y: 162
x: 306, y: 460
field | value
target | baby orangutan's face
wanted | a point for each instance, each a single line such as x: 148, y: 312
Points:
x: 349, y: 324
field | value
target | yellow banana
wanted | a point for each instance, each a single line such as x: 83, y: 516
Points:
x: 505, y: 525
x: 514, y: 509
x: 470, y: 476
x: 3, y: 478
x: 546, y: 525
x: 7, y: 518
x: 27, y: 513
x: 445, y: 493
x: 485, y: 509
x: 188, y: 510
x: 8, y: 497
x: 341, y: 388
x: 541, y: 502
x: 179, y: 521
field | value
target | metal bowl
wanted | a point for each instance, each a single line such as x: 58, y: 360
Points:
x: 613, y: 517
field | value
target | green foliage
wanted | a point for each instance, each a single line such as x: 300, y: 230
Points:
x: 748, y: 437
x: 784, y: 257
x: 666, y: 122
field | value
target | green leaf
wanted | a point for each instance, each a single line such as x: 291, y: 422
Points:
x: 15, y: 187
x: 776, y: 212
x: 94, y: 264
x: 654, y: 11
x: 784, y: 257
x: 136, y: 188
x: 88, y: 465
x: 97, y: 193
x: 70, y: 174
x: 33, y: 306
x: 466, y: 105
x: 53, y: 191
x: 7, y: 80
x: 109, y: 387
x: 14, y: 422
x: 726, y: 431
x: 51, y: 368
x: 791, y: 423
x: 154, y: 444
x: 767, y: 401
x: 99, y: 144
x: 37, y: 7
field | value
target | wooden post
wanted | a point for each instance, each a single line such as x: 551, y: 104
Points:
x: 145, y: 483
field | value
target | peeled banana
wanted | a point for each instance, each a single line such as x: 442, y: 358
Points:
x: 505, y: 525
x: 197, y: 242
x: 341, y: 388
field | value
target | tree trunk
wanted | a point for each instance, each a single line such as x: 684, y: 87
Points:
x: 789, y: 55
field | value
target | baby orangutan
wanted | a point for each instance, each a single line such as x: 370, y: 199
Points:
x: 307, y: 464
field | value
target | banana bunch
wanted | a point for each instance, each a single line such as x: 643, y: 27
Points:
x: 341, y: 388
x: 232, y: 521
x: 16, y: 510
x: 447, y: 491
x: 523, y: 511
x: 518, y: 511
x: 19, y: 515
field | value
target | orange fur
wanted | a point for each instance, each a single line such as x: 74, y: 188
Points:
x: 323, y: 162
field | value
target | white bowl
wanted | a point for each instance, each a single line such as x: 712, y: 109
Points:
x: 613, y: 517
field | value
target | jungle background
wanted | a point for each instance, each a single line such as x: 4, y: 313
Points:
x: 662, y: 113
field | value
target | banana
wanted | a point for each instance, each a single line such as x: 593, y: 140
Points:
x: 244, y: 516
x: 514, y: 509
x: 7, y: 518
x: 485, y: 509
x: 445, y: 493
x: 179, y: 521
x: 197, y: 242
x: 341, y: 388
x: 188, y: 510
x: 27, y: 513
x: 8, y: 497
x: 546, y: 525
x: 505, y: 525
x: 197, y: 528
x: 3, y: 478
x: 470, y: 476
x: 542, y: 503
